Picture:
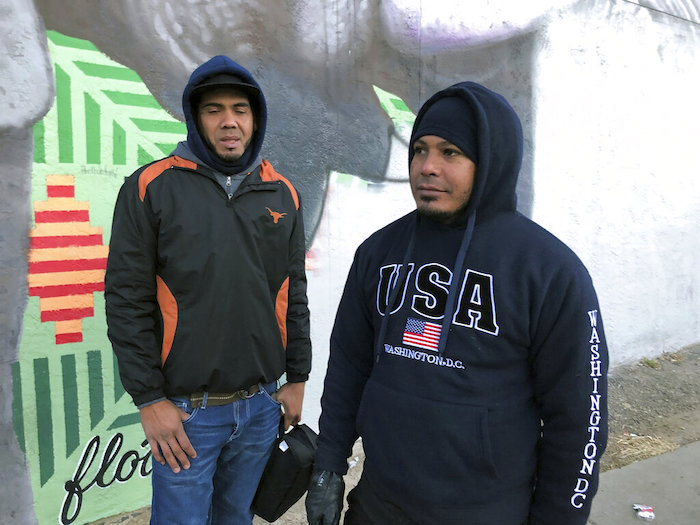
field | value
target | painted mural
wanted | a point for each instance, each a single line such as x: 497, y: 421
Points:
x: 78, y: 427
x: 577, y: 71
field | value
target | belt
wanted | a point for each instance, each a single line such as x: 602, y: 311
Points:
x: 215, y: 399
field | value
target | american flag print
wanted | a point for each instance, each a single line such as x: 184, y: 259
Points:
x: 421, y: 334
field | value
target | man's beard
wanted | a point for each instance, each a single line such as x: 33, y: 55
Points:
x: 226, y: 157
x: 442, y: 216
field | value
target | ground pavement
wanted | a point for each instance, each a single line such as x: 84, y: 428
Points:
x: 670, y: 483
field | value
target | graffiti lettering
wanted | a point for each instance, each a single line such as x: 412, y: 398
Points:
x: 105, y: 475
x: 99, y: 170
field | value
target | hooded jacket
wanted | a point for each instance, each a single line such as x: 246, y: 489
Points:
x: 480, y: 393
x: 205, y: 291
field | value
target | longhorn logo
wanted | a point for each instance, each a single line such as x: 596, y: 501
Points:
x: 276, y: 216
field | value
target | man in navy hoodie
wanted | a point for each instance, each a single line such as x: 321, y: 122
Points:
x: 468, y: 350
x: 206, y: 302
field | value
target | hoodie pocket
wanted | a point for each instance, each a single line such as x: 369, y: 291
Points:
x: 441, y: 446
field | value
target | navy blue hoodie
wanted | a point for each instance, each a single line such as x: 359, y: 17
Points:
x: 495, y: 413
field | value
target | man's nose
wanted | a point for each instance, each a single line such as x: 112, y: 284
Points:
x: 229, y: 120
x: 431, y: 164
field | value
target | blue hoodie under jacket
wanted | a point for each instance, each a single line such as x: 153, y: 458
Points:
x: 480, y: 395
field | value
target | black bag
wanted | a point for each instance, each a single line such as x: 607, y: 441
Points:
x: 287, y: 473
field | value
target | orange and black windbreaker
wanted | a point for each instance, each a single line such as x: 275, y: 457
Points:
x: 204, y: 292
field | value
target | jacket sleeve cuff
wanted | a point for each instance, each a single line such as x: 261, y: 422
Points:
x: 297, y: 378
x: 147, y: 403
x: 148, y: 398
x: 326, y: 463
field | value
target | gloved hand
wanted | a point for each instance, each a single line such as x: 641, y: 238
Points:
x: 324, y: 501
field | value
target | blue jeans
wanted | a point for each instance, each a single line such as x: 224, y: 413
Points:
x: 232, y: 443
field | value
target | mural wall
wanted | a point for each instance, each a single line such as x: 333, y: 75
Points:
x: 78, y: 427
x: 90, y: 90
x: 72, y: 417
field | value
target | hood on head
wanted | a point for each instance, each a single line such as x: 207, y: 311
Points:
x: 213, y: 73
x: 499, y: 142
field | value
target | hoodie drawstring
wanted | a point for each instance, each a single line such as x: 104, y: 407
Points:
x: 393, y: 293
x: 451, y: 296
x: 456, y: 281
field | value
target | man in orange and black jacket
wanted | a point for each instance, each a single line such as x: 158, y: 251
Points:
x: 206, y: 302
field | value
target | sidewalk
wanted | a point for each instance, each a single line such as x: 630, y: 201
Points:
x: 670, y: 483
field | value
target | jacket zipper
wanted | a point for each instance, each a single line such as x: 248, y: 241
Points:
x: 228, y: 187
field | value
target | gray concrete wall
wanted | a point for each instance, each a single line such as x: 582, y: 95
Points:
x: 26, y: 90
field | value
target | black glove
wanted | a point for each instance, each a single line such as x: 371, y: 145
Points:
x: 324, y: 501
